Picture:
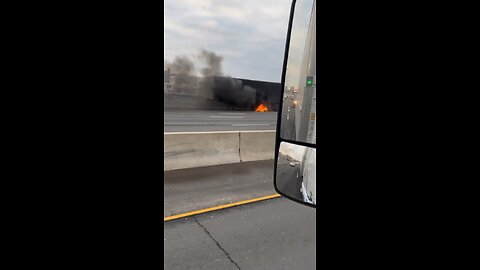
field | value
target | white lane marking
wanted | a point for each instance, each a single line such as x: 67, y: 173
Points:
x: 288, y: 116
x: 231, y: 113
x: 220, y: 116
x: 218, y: 131
x: 242, y: 125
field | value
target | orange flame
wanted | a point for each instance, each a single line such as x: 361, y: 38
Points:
x: 261, y: 108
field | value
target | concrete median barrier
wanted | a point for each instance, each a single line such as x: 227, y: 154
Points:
x: 183, y: 150
x: 257, y: 145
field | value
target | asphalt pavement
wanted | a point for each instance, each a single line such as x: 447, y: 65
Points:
x: 215, y: 120
x: 289, y: 179
x: 287, y: 129
x: 273, y: 234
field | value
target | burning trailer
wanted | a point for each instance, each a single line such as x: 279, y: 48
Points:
x: 213, y: 87
x: 248, y: 95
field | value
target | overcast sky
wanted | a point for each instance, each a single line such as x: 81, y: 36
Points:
x: 249, y: 34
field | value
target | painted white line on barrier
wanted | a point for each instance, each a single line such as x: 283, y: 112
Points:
x: 244, y: 125
x: 228, y: 117
x: 226, y: 131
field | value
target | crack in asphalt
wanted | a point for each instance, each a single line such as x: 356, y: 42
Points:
x: 224, y: 251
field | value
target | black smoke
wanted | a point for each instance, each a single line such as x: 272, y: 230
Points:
x: 234, y: 93
x: 224, y: 88
x: 213, y: 84
x: 213, y: 67
x: 213, y: 64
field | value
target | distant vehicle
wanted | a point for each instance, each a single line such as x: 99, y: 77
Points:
x: 293, y: 164
x: 294, y: 103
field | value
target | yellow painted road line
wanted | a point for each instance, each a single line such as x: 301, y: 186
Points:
x: 205, y: 210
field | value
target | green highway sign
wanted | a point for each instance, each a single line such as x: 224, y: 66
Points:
x: 309, y: 80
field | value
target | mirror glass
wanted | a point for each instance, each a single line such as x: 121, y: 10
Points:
x: 299, y: 98
x: 296, y: 172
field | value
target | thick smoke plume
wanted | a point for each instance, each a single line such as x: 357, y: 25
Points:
x: 213, y: 64
x: 225, y: 89
x: 181, y: 65
x: 212, y: 69
x: 233, y: 92
x: 184, y: 69
x: 213, y: 84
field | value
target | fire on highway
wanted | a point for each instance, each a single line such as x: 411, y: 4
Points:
x: 261, y: 108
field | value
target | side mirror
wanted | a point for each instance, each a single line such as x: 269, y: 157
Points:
x: 296, y: 140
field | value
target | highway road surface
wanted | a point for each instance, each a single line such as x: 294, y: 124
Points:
x: 289, y: 179
x: 272, y: 234
x: 289, y: 122
x: 211, y: 120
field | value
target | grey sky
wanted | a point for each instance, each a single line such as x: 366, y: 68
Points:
x: 249, y: 34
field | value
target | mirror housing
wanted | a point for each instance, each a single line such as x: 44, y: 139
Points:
x: 295, y: 146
